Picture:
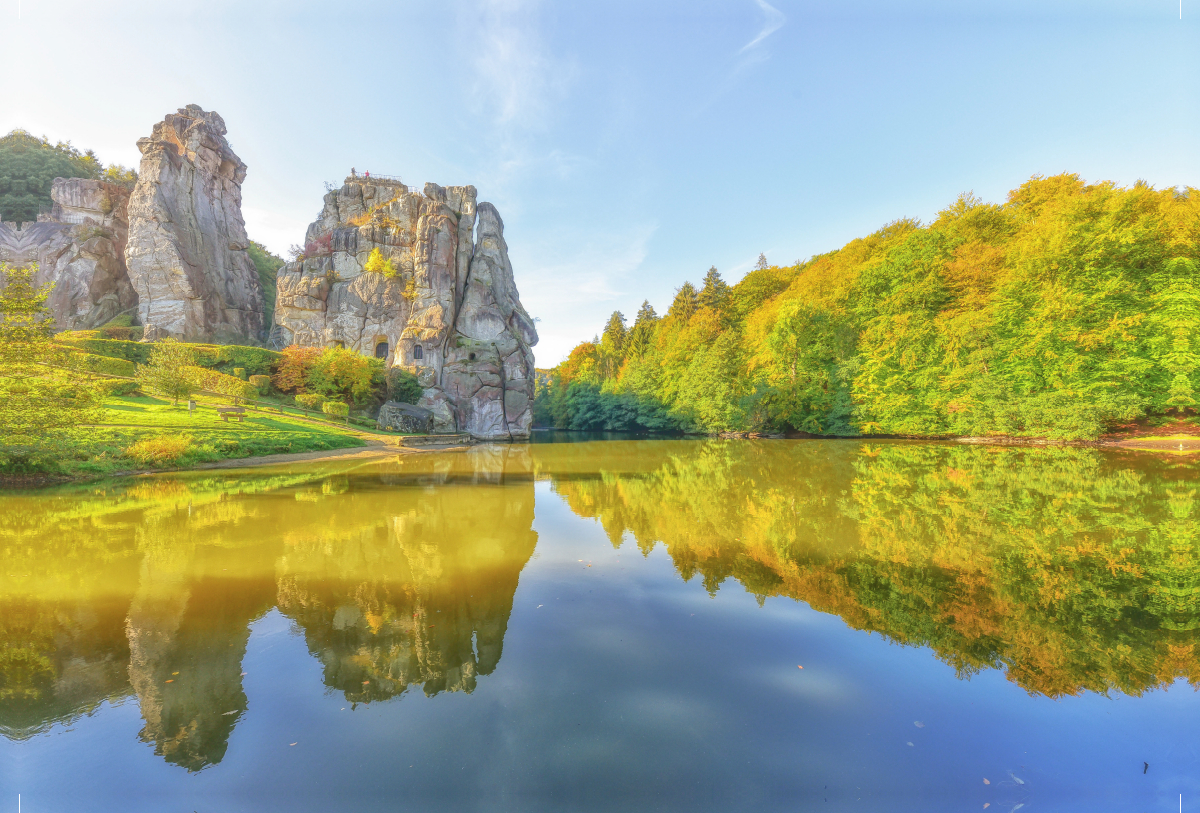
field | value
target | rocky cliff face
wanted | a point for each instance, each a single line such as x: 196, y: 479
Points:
x: 186, y: 252
x: 79, y: 248
x: 444, y: 306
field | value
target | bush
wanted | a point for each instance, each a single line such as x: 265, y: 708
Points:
x: 310, y: 401
x: 345, y: 373
x: 402, y: 386
x: 336, y: 409
x: 103, y: 365
x: 262, y: 383
x: 113, y: 388
x: 239, y: 372
x: 137, y: 352
x: 294, y: 363
x: 159, y: 450
x: 229, y: 357
x: 223, y: 384
x: 376, y: 264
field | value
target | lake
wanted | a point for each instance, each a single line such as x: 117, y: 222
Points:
x: 610, y: 625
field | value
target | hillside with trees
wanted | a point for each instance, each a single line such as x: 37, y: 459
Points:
x: 1067, y: 309
x: 29, y: 165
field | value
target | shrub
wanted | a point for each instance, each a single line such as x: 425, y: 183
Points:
x: 293, y: 367
x: 376, y: 264
x: 103, y: 365
x: 336, y: 409
x: 310, y: 401
x: 113, y: 388
x: 262, y: 383
x: 159, y: 450
x: 223, y: 384
x: 239, y: 372
x: 137, y: 352
x: 402, y: 386
x: 344, y: 373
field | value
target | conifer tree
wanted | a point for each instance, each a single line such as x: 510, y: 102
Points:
x: 612, y: 345
x: 686, y: 302
x: 761, y: 264
x: 715, y: 293
x: 642, y: 332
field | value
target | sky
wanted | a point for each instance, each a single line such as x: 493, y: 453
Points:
x: 629, y: 146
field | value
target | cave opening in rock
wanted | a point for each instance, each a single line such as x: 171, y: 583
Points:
x: 381, y: 350
x: 471, y: 357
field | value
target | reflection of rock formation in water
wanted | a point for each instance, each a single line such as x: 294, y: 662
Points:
x: 149, y: 589
x: 1065, y: 570
x: 423, y: 598
x: 187, y: 635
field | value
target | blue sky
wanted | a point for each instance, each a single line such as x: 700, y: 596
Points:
x: 631, y: 145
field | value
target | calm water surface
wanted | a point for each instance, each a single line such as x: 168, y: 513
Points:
x: 610, y: 625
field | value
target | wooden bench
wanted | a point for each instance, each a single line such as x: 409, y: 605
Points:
x: 225, y: 413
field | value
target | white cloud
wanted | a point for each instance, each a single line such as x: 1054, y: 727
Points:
x: 774, y: 20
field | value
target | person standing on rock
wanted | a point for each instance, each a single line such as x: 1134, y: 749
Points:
x: 353, y: 174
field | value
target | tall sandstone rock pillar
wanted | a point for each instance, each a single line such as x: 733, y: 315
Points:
x: 446, y: 309
x: 187, y: 247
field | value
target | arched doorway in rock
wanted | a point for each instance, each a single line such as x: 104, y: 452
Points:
x: 381, y: 350
x: 418, y: 353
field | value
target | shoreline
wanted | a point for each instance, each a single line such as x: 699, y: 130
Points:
x: 1176, y: 444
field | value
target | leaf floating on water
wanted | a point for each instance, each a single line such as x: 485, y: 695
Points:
x: 1018, y: 780
x: 985, y: 781
x: 918, y: 724
x: 798, y: 666
x: 226, y: 714
x: 911, y: 745
x: 170, y: 681
x: 174, y: 673
x: 986, y: 805
x: 291, y: 744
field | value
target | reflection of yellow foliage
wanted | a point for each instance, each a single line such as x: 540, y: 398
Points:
x: 1060, y: 566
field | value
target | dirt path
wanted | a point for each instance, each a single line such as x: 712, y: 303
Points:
x: 373, y: 451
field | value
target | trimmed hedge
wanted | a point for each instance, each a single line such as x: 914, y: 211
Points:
x: 336, y: 409
x: 115, y: 388
x: 137, y: 352
x: 262, y: 383
x: 103, y: 365
x: 310, y: 400
x: 224, y: 358
x: 213, y: 381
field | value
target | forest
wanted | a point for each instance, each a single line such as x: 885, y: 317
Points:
x: 1067, y: 310
x: 29, y: 165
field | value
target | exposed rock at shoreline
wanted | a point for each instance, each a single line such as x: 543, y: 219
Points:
x: 445, y: 306
x: 79, y: 248
x: 187, y: 247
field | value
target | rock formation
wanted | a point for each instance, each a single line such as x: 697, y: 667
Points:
x: 79, y: 248
x: 438, y: 299
x: 187, y: 249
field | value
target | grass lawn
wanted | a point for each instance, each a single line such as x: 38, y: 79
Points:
x: 101, y: 449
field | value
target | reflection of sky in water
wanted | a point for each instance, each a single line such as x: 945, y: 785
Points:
x: 628, y: 688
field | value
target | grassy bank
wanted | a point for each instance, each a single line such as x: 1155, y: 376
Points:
x: 143, y: 432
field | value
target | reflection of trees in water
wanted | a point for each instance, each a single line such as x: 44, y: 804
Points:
x: 150, y: 589
x: 1070, y: 569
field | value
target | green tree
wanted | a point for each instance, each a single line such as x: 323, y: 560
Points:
x: 40, y: 405
x: 612, y: 345
x: 715, y: 294
x: 28, y: 167
x: 641, y: 335
x: 267, y: 265
x: 169, y: 369
x: 685, y: 303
